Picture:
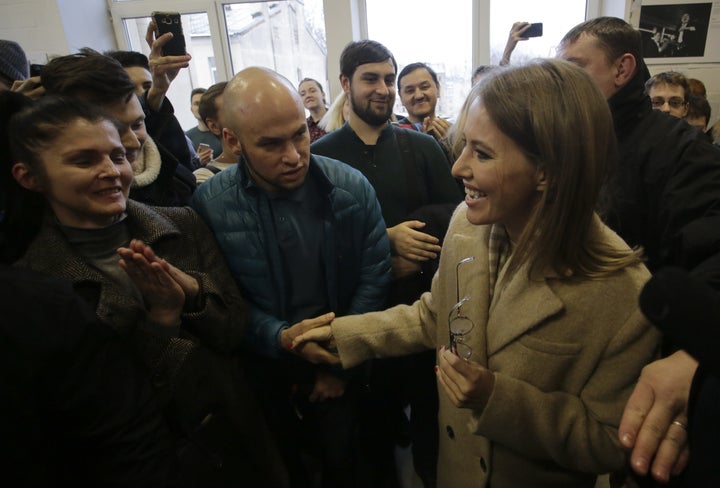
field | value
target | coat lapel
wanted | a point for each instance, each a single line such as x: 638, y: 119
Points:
x: 520, y: 305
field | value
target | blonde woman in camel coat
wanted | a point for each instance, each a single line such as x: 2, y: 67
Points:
x: 541, y: 296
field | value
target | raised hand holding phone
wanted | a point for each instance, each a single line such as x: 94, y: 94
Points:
x: 164, y: 65
x: 170, y: 22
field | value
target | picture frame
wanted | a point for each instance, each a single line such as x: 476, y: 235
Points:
x: 678, y: 31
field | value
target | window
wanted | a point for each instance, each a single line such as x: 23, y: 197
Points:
x: 440, y: 37
x: 225, y: 37
x: 288, y: 37
x: 557, y: 17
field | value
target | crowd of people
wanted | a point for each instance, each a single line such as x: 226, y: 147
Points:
x: 286, y: 293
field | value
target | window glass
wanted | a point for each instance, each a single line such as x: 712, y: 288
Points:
x: 287, y: 36
x: 420, y: 31
x: 557, y: 17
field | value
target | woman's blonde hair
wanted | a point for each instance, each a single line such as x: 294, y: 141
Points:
x: 333, y: 118
x: 556, y: 115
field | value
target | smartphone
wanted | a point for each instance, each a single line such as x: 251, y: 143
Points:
x: 170, y: 22
x: 203, y: 146
x: 535, y: 30
x: 35, y: 69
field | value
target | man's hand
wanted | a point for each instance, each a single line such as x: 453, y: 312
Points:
x: 402, y: 267
x: 317, y: 336
x: 205, y: 153
x: 310, y: 351
x: 164, y: 69
x: 660, y: 398
x: 326, y: 386
x: 411, y: 244
x: 516, y: 35
x: 31, y: 88
x: 436, y: 127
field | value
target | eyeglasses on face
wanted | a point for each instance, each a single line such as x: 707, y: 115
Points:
x: 674, y: 102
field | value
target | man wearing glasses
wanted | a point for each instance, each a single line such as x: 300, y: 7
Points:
x: 668, y: 92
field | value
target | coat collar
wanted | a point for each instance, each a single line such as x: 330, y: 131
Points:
x: 519, y: 305
x: 51, y: 252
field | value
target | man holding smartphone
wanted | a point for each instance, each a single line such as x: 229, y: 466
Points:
x: 206, y: 143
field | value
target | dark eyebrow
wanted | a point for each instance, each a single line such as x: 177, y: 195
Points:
x: 262, y: 140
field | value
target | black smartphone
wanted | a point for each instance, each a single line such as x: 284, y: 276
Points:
x: 535, y: 30
x: 35, y: 69
x: 170, y: 22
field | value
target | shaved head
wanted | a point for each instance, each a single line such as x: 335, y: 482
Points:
x: 265, y: 124
x: 258, y: 89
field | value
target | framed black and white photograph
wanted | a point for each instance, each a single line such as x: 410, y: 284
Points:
x: 679, y: 29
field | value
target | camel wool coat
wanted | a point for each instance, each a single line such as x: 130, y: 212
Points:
x: 565, y: 352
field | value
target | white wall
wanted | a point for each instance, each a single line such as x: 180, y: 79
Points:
x: 35, y: 25
x: 45, y: 28
x: 87, y: 24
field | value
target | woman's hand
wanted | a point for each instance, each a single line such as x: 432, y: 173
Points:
x: 317, y: 338
x: 466, y: 383
x: 157, y: 281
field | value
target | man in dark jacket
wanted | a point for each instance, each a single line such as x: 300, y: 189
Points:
x: 663, y: 196
x: 410, y: 173
x: 305, y: 240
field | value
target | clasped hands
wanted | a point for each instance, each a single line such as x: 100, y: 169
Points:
x: 466, y: 383
x: 165, y: 289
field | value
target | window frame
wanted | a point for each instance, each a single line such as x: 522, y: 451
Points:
x: 345, y: 21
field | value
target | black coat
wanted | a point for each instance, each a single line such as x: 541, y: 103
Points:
x: 687, y: 308
x: 76, y: 409
x: 665, y: 192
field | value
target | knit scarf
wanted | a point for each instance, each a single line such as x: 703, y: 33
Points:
x: 147, y: 166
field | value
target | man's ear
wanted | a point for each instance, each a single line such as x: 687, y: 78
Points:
x: 626, y: 65
x: 686, y: 110
x: 214, y: 127
x: 26, y: 177
x: 232, y: 140
x: 345, y: 83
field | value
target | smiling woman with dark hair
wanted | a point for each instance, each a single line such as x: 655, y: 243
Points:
x: 154, y: 274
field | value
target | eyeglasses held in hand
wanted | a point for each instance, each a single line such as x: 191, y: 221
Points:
x: 674, y: 102
x: 459, y: 324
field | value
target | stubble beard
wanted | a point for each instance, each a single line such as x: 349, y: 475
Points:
x: 367, y: 114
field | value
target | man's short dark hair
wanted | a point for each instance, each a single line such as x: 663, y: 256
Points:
x: 130, y: 59
x: 363, y: 52
x: 195, y: 91
x: 669, y: 78
x: 88, y: 75
x: 414, y: 66
x: 698, y: 106
x: 207, y: 108
x: 615, y: 37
